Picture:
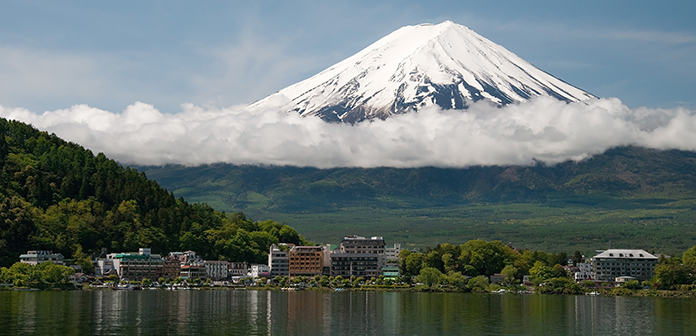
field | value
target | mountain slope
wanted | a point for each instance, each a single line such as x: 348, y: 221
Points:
x: 618, y: 173
x: 59, y: 196
x: 447, y: 65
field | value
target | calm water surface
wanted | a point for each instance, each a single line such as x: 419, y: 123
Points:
x: 221, y: 312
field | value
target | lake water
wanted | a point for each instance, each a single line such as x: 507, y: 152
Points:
x: 221, y: 312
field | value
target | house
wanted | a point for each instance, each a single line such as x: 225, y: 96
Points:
x: 390, y: 272
x: 497, y: 278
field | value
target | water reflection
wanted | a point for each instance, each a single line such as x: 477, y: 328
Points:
x: 338, y: 313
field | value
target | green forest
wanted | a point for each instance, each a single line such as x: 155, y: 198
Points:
x: 56, y: 195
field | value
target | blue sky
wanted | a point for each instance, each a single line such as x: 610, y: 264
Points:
x: 110, y: 54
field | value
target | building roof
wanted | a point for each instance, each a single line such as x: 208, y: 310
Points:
x: 628, y: 254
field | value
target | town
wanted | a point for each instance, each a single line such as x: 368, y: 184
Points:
x: 367, y: 259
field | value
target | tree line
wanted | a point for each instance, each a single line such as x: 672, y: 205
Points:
x: 57, y: 195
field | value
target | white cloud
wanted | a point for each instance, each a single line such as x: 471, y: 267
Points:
x: 543, y: 129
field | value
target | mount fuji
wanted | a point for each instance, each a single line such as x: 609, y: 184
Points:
x: 447, y: 64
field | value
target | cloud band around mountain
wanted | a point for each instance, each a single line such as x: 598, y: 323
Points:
x: 542, y: 130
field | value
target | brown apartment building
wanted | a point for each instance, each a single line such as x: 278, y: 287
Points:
x: 305, y: 261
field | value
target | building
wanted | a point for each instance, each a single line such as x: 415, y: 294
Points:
x: 611, y: 264
x: 104, y: 267
x: 497, y: 278
x: 39, y: 256
x: 259, y: 271
x: 364, y: 265
x: 583, y: 272
x: 172, y: 266
x: 362, y: 245
x: 305, y: 261
x: 216, y: 270
x: 137, y: 266
x: 193, y: 271
x: 390, y: 272
x: 238, y: 269
x: 391, y: 255
x: 278, y: 262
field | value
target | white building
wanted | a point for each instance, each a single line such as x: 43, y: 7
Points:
x: 37, y: 257
x: 216, y: 270
x: 278, y: 262
x: 583, y: 273
x: 391, y: 255
x: 259, y: 271
x: 362, y: 245
x: 137, y: 266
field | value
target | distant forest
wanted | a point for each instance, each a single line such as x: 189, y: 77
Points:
x: 59, y: 196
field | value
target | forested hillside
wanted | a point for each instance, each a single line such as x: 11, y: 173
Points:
x: 59, y: 196
x: 618, y: 173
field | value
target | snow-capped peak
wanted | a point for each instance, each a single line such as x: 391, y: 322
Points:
x: 444, y: 64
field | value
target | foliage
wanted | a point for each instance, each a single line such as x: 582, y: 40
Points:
x: 628, y: 195
x: 560, y: 286
x: 431, y: 277
x: 478, y: 284
x: 56, y: 195
x: 44, y: 275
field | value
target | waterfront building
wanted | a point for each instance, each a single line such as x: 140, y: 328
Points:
x: 305, y: 261
x: 172, y: 266
x: 137, y: 266
x: 36, y: 257
x: 611, y: 264
x: 362, y: 245
x: 216, y: 270
x: 583, y: 272
x: 390, y: 272
x: 238, y: 269
x: 193, y: 271
x: 391, y: 255
x: 278, y: 261
x: 104, y: 267
x: 259, y: 271
x: 364, y: 265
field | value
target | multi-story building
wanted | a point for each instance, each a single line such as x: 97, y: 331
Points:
x: 364, y: 265
x: 583, y: 272
x: 238, y: 269
x: 172, y: 266
x: 611, y: 264
x: 216, y: 270
x: 362, y: 245
x: 305, y: 261
x: 39, y: 256
x: 278, y: 261
x: 193, y: 271
x: 391, y: 255
x: 259, y: 271
x: 137, y: 266
x: 104, y: 267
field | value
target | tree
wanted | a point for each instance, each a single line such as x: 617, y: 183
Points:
x: 577, y: 258
x: 414, y: 262
x: 509, y: 272
x: 478, y: 284
x: 456, y: 280
x: 430, y: 276
x: 540, y: 272
x: 559, y: 271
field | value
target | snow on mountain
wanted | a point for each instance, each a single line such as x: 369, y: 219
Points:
x: 447, y: 64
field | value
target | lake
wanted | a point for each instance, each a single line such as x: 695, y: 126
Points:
x: 223, y: 312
